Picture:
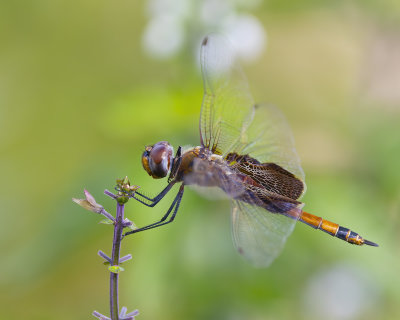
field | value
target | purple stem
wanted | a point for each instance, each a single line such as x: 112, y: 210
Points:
x: 118, y: 228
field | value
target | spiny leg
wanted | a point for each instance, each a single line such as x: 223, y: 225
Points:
x: 174, y: 206
x: 157, y: 198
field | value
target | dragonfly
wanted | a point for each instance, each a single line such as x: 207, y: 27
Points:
x: 247, y: 151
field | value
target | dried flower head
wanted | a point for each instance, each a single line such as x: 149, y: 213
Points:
x: 89, y: 203
x: 124, y: 186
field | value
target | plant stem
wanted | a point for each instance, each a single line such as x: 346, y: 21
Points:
x: 118, y: 228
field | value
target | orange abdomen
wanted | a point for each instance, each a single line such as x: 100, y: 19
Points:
x: 333, y: 229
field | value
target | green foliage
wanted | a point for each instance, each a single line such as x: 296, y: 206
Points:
x: 106, y: 221
x: 116, y: 269
x: 78, y: 103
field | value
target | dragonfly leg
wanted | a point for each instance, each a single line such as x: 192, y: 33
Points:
x: 173, y: 208
x: 156, y: 199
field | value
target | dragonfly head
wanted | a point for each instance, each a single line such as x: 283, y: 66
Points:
x: 157, y: 159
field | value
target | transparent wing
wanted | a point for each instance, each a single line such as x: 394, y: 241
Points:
x: 231, y: 122
x: 227, y: 108
x: 257, y: 234
x: 269, y: 139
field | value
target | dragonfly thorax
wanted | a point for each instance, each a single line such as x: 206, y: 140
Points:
x: 207, y: 154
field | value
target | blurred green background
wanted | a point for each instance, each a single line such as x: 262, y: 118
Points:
x: 83, y: 89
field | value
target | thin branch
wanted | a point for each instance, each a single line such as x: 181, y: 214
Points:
x: 110, y: 194
x: 114, y: 277
x: 107, y: 215
x: 104, y: 256
x: 125, y: 258
x: 100, y: 316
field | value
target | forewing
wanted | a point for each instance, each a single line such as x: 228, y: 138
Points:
x: 258, y: 234
x: 269, y: 139
x: 274, y: 179
x: 227, y: 109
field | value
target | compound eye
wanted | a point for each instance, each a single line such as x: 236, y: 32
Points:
x: 157, y: 159
x: 145, y: 159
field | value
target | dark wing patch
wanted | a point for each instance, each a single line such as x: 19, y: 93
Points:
x: 273, y: 178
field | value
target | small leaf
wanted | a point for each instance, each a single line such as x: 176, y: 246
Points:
x: 129, y: 224
x: 106, y: 221
x: 126, y: 180
x: 132, y: 226
x: 115, y: 269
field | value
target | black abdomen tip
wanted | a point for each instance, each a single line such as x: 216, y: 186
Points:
x: 370, y: 243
